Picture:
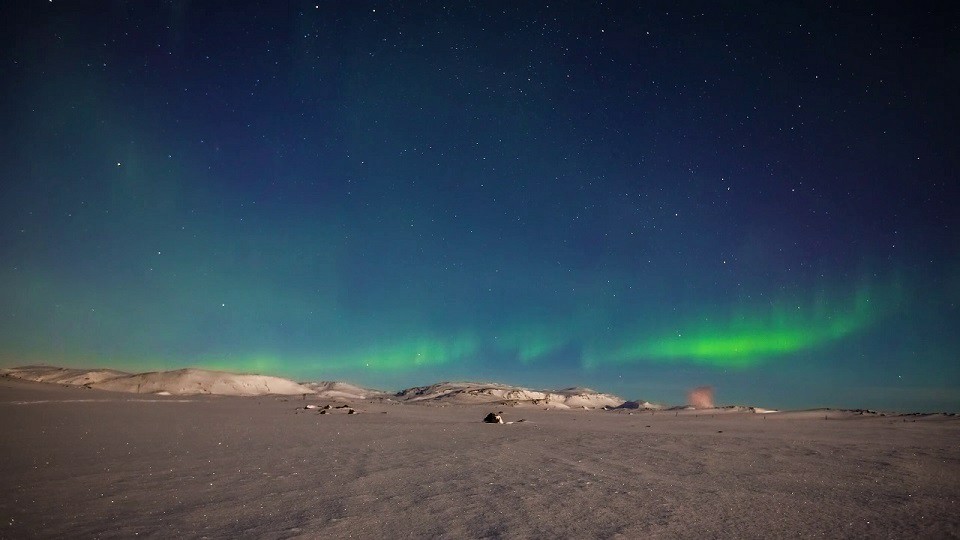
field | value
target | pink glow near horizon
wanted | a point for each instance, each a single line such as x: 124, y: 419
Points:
x: 701, y: 397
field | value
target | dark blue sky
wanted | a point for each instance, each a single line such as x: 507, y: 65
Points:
x: 639, y: 197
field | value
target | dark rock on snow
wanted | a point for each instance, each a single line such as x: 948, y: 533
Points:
x: 493, y: 418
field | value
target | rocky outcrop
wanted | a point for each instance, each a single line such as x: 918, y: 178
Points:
x: 473, y: 393
x: 642, y: 405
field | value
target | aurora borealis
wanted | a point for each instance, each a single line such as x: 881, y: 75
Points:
x: 748, y: 338
x: 642, y: 198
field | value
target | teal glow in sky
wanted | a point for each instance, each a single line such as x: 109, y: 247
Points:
x: 638, y: 199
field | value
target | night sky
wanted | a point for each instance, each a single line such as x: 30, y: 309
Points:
x: 636, y: 197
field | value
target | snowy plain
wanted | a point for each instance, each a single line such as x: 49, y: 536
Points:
x: 80, y: 462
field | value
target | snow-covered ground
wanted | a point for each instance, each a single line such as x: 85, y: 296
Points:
x: 80, y: 462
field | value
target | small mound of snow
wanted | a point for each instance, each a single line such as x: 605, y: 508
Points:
x: 341, y: 391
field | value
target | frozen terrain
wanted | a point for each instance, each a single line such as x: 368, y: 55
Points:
x: 79, y: 462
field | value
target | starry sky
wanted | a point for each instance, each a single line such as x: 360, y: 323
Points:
x: 639, y: 197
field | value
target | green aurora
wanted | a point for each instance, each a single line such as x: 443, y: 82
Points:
x: 750, y: 337
x: 417, y: 353
x: 745, y: 338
